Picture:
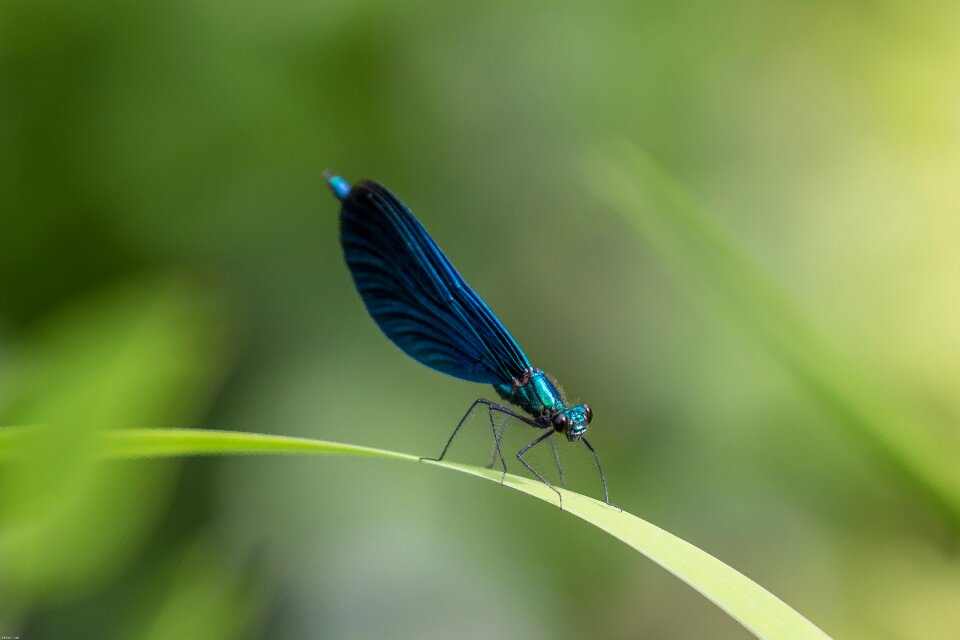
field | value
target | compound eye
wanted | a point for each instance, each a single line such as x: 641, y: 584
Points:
x: 560, y: 422
x: 587, y: 411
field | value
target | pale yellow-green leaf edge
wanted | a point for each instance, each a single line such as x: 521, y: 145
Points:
x: 762, y: 613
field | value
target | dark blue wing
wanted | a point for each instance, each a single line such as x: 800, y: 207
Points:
x: 416, y: 296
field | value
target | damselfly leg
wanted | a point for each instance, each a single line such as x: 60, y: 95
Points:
x: 499, y: 429
x: 497, y: 445
x: 534, y: 471
x: 603, y: 480
x: 491, y: 408
x: 556, y: 458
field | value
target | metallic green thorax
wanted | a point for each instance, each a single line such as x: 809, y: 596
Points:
x: 537, y: 395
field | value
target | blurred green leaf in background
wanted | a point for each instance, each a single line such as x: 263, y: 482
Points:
x: 146, y: 351
x: 683, y: 236
x: 775, y: 371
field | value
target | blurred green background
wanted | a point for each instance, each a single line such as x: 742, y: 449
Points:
x: 169, y: 257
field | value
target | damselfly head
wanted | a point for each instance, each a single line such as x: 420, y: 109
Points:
x: 573, y: 421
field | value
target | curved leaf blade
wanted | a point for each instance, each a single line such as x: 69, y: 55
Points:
x: 758, y: 610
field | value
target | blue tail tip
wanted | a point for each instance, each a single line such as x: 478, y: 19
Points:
x: 338, y: 185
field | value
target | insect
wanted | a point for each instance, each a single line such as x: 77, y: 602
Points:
x: 422, y: 303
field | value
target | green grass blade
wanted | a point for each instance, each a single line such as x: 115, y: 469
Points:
x: 684, y: 238
x: 162, y: 443
x: 759, y: 611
